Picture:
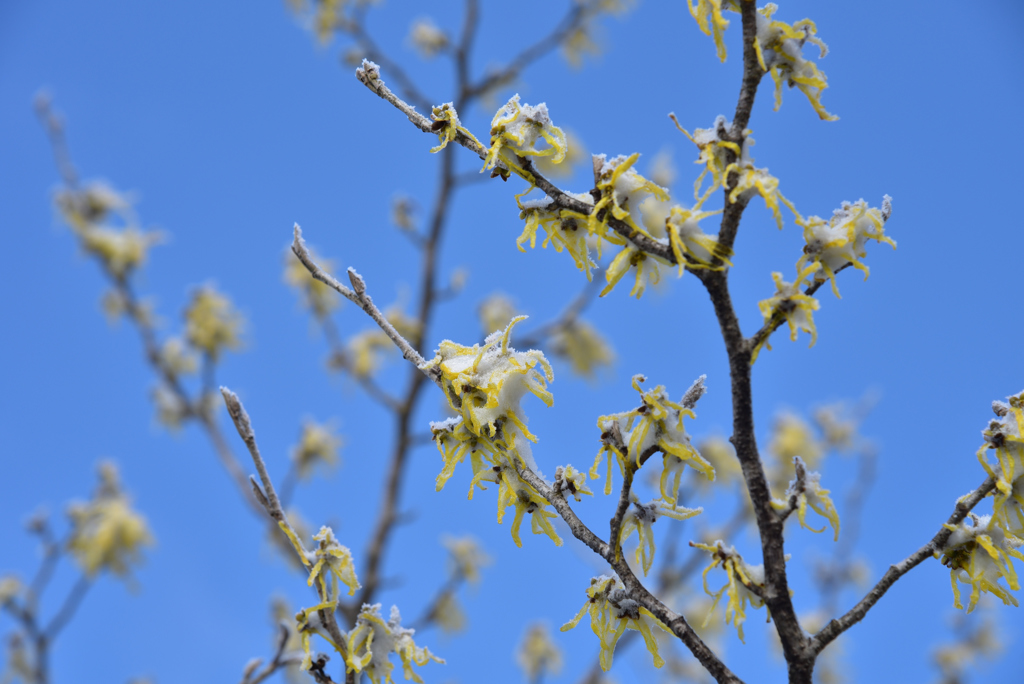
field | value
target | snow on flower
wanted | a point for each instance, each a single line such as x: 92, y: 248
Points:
x: 612, y: 612
x: 372, y: 641
x: 515, y: 132
x: 743, y: 586
x: 980, y: 553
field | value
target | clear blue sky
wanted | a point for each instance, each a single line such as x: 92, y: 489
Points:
x: 230, y: 124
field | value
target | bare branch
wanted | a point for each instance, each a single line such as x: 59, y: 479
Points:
x: 836, y: 627
x: 358, y: 296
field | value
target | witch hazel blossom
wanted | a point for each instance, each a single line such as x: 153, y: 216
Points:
x: 793, y: 305
x: 841, y: 240
x: 565, y: 230
x: 515, y: 131
x: 980, y: 553
x: 744, y: 585
x: 641, y: 517
x: 372, y: 641
x: 612, y: 611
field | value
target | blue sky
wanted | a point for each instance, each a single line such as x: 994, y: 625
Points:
x: 229, y: 124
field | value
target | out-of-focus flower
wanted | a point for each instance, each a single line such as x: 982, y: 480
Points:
x: 427, y: 38
x: 495, y: 312
x: 177, y: 358
x: 212, y: 323
x: 372, y: 641
x: 448, y: 614
x: 980, y: 553
x: 316, y: 295
x: 583, y: 346
x: 837, y: 425
x: 580, y: 43
x: 402, y: 209
x: 538, y: 655
x: 657, y: 424
x: 318, y: 444
x: 792, y: 436
x: 640, y: 517
x: 281, y: 614
x: 742, y: 587
x: 612, y: 612
x: 106, y: 534
x: 834, y: 243
x: 515, y: 131
x: 796, y: 308
x: 466, y: 557
x: 10, y: 588
x: 171, y: 408
x: 978, y: 642
x: 719, y: 452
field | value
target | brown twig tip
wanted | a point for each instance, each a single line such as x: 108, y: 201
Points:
x: 697, y: 390
x: 236, y: 411
x: 358, y: 284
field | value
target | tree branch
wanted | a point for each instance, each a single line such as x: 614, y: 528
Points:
x: 836, y: 627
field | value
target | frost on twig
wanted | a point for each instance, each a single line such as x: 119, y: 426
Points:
x: 357, y: 295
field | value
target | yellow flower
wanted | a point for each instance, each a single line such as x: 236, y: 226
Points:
x: 282, y: 614
x: 583, y: 346
x: 177, y: 358
x: 810, y: 494
x: 121, y: 251
x: 106, y: 534
x: 980, y: 553
x: 612, y: 612
x: 318, y: 443
x: 575, y: 154
x: 715, y: 154
x: 640, y: 517
x: 447, y: 126
x: 212, y: 323
x: 742, y: 587
x: 538, y: 655
x: 795, y: 307
x: 1006, y: 437
x: 466, y: 557
x: 779, y: 50
x: 448, y: 614
x: 656, y: 425
x: 515, y: 131
x: 318, y: 296
x: 792, y: 436
x: 840, y: 240
x: 579, y: 43
x: 485, y: 385
x: 307, y: 623
x: 427, y: 38
x: 372, y: 641
x: 569, y: 481
x: 281, y: 543
x: 688, y: 240
x: 330, y: 558
x: 565, y: 229
x: 708, y: 14
x: 719, y: 452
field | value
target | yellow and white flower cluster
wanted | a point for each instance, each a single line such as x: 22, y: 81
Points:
x: 372, y: 641
x: 515, y: 132
x: 612, y: 612
x: 485, y: 385
x: 743, y: 586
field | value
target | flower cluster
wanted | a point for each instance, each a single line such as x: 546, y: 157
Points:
x: 979, y: 552
x: 779, y: 48
x: 515, y: 132
x: 538, y: 655
x: 583, y: 346
x: 795, y: 307
x: 563, y: 229
x: 106, y: 228
x: 106, y: 534
x: 640, y: 518
x: 1005, y: 436
x: 318, y: 444
x: 447, y: 126
x: 721, y: 157
x: 212, y: 324
x: 743, y: 587
x: 839, y: 241
x: 372, y: 641
x: 809, y: 493
x: 466, y: 558
x: 427, y: 38
x: 655, y: 425
x: 485, y: 384
x: 612, y: 612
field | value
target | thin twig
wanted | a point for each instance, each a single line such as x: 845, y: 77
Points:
x: 68, y: 608
x: 837, y: 626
